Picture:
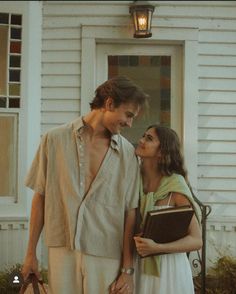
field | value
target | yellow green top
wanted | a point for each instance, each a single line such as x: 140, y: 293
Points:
x: 174, y: 183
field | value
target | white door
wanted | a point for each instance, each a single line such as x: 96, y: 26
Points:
x: 157, y: 69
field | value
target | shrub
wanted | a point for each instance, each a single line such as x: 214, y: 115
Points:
x: 6, y: 287
x: 220, y: 278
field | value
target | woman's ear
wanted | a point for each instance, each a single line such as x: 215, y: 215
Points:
x: 109, y: 104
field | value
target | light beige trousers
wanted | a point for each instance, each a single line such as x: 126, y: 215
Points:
x: 72, y: 272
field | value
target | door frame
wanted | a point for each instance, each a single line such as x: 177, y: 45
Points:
x: 92, y: 36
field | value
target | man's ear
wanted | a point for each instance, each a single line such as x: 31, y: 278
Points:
x: 109, y: 104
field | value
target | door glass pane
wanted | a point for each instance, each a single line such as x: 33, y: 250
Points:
x: 152, y: 73
x: 8, y: 147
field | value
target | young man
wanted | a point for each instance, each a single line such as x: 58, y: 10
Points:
x: 86, y: 179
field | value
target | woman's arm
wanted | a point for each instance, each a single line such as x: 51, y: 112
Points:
x: 191, y: 242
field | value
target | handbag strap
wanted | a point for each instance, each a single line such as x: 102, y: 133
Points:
x: 32, y: 279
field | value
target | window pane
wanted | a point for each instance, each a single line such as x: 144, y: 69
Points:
x: 152, y: 73
x: 14, y: 76
x: 3, y: 102
x: 15, y: 61
x: 14, y: 89
x: 8, y: 155
x: 3, y: 59
x: 15, y: 47
x: 14, y: 102
x: 15, y: 33
x: 4, y: 18
x: 16, y: 19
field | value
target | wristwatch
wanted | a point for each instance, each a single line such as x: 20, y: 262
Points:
x: 128, y: 271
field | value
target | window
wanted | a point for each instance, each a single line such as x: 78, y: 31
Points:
x: 10, y: 98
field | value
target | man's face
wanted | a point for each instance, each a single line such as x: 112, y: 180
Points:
x: 117, y: 118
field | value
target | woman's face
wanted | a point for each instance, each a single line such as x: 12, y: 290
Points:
x: 148, y: 146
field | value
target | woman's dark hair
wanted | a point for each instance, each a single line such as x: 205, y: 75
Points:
x: 171, y: 160
x: 121, y: 90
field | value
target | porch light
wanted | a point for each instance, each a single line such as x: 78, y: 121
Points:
x: 142, y: 18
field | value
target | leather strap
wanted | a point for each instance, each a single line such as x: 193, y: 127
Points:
x: 32, y: 279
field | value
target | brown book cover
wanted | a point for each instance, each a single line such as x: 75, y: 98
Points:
x: 168, y: 224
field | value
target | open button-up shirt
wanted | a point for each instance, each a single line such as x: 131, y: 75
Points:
x: 92, y: 223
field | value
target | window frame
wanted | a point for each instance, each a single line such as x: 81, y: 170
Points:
x: 29, y: 111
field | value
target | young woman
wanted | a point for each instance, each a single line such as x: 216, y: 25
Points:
x: 164, y: 185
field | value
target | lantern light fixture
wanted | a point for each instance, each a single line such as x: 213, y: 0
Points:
x: 142, y: 18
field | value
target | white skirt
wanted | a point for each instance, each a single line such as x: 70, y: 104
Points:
x: 175, y: 277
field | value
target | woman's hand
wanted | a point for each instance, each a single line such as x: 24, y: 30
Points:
x: 146, y: 246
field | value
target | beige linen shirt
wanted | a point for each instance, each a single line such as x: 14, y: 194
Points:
x: 92, y: 223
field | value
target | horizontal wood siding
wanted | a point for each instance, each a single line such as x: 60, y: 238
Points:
x: 60, y: 75
x: 216, y: 24
x: 217, y: 115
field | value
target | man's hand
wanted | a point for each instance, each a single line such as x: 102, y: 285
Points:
x: 30, y: 266
x: 123, y: 285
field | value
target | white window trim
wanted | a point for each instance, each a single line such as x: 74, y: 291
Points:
x: 29, y: 113
x: 93, y: 35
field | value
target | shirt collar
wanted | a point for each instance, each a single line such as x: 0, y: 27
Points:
x: 78, y: 127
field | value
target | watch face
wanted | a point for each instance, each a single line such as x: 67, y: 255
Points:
x: 128, y: 271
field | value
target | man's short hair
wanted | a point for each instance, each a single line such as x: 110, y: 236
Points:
x: 122, y: 90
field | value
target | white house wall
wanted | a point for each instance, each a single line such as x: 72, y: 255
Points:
x: 216, y: 24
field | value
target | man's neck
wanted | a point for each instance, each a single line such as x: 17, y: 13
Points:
x: 93, y: 120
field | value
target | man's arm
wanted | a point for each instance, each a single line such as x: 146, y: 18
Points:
x: 36, y: 226
x: 124, y: 283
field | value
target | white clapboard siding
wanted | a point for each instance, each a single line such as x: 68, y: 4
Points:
x: 61, y: 33
x: 65, y: 22
x: 223, y: 121
x: 216, y: 159
x: 217, y: 84
x: 59, y: 56
x: 224, y: 72
x: 217, y: 108
x: 57, y: 118
x: 217, y: 96
x: 71, y: 56
x: 67, y: 93
x: 217, y: 134
x: 213, y: 36
x: 61, y: 45
x: 219, y: 197
x: 12, y: 233
x: 217, y: 60
x: 217, y: 172
x: 217, y: 184
x: 61, y: 68
x: 60, y: 105
x: 217, y: 48
x: 229, y: 210
x: 59, y: 81
x: 217, y: 146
